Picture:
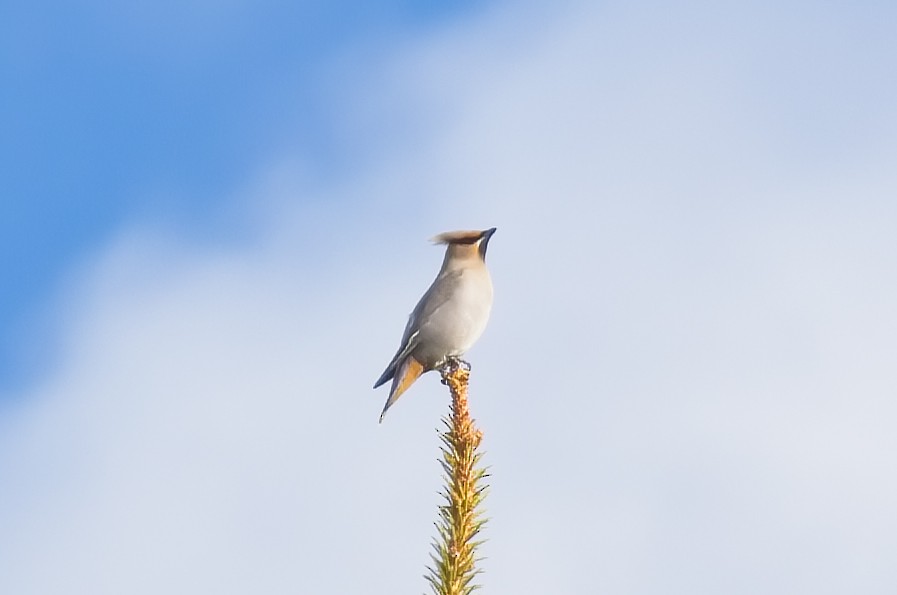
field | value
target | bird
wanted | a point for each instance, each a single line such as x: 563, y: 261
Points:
x: 450, y: 316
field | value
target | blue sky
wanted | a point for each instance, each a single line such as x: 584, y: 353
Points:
x: 113, y: 113
x: 215, y: 219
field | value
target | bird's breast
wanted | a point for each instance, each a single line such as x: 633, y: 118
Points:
x: 456, y: 325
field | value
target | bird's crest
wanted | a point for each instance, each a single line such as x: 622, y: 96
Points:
x: 457, y: 237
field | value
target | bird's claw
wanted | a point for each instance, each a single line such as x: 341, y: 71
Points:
x: 452, y: 364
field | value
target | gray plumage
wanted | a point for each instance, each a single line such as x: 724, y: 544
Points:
x: 450, y: 316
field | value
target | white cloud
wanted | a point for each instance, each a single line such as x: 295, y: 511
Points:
x: 686, y: 386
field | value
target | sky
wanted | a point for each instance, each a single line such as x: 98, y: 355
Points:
x: 214, y: 222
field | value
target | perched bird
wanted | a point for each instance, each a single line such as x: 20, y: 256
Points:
x: 450, y: 317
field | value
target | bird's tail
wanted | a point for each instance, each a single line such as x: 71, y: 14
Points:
x: 409, y: 370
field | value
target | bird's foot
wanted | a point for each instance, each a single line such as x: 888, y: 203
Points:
x: 452, y: 364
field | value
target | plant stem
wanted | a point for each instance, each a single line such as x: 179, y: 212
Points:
x: 460, y: 519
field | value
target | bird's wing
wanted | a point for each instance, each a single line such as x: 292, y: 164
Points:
x: 435, y: 297
x: 405, y: 348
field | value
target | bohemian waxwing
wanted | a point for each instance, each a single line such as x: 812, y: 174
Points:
x: 449, y: 318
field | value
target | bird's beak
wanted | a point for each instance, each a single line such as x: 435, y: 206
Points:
x: 484, y: 242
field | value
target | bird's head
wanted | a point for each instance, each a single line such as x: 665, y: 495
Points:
x: 465, y: 244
